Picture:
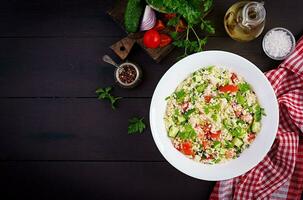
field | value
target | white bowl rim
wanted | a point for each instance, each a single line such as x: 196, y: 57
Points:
x: 195, y: 169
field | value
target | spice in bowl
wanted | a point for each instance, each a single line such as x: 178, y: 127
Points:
x: 278, y: 43
x: 128, y: 75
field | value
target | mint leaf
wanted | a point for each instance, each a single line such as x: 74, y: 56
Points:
x: 136, y: 125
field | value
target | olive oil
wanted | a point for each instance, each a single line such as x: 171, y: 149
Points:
x: 245, y: 20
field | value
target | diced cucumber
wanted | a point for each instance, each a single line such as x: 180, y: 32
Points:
x: 222, y: 151
x: 173, y: 131
x: 181, y: 119
x: 201, y: 87
x: 237, y: 142
x: 198, y: 78
x: 256, y: 126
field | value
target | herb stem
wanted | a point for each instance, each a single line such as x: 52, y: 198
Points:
x: 187, y: 34
x: 196, y: 37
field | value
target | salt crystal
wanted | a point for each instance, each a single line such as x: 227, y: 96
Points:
x: 278, y: 43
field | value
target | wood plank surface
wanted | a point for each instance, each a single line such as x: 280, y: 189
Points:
x: 73, y: 129
x: 72, y: 67
x: 99, y: 180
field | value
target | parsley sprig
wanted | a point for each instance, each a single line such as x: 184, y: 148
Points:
x: 104, y: 93
x: 194, y: 15
x: 136, y: 125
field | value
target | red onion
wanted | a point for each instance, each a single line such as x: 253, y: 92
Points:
x: 148, y: 20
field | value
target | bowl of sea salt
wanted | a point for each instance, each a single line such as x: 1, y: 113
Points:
x: 278, y: 43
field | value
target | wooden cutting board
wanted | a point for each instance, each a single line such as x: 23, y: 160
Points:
x: 123, y: 47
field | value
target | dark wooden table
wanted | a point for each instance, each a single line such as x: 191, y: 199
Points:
x: 57, y: 140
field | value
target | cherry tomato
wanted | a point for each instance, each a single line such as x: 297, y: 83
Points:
x: 228, y: 88
x: 233, y: 77
x: 165, y: 40
x: 186, y: 148
x: 169, y: 16
x: 207, y: 98
x: 181, y: 26
x: 216, y: 135
x: 159, y: 25
x: 151, y: 39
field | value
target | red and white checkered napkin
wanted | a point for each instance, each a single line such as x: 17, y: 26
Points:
x: 280, y: 174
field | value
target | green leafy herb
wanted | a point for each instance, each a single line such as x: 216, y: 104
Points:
x: 241, y: 100
x: 207, y: 26
x: 174, y: 35
x: 187, y: 133
x: 214, y: 117
x: 216, y: 144
x: 188, y: 113
x: 174, y: 21
x: 193, y: 11
x: 201, y: 88
x: 228, y: 144
x: 136, y: 125
x: 104, y: 93
x: 258, y: 113
x: 207, y: 4
x: 180, y: 96
x: 238, y: 132
x: 243, y: 87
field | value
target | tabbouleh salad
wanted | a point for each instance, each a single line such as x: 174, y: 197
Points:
x: 213, y: 115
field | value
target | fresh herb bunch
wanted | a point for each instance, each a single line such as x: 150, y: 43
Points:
x: 136, y: 125
x: 194, y: 12
x: 104, y: 93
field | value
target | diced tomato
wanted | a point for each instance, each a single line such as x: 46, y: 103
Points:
x: 251, y: 137
x: 228, y: 88
x: 184, y: 106
x: 206, y: 128
x: 187, y: 148
x: 216, y: 135
x: 169, y: 16
x: 178, y: 147
x: 233, y: 77
x: 207, y: 98
x: 159, y: 25
x: 165, y: 40
x: 181, y: 26
x: 209, y: 157
x: 205, y: 144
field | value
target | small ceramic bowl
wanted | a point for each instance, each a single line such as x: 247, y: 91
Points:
x: 293, y: 43
x: 135, y: 82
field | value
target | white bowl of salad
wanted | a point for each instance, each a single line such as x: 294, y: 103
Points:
x: 214, y: 115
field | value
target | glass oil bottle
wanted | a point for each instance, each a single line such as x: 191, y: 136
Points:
x: 245, y: 20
